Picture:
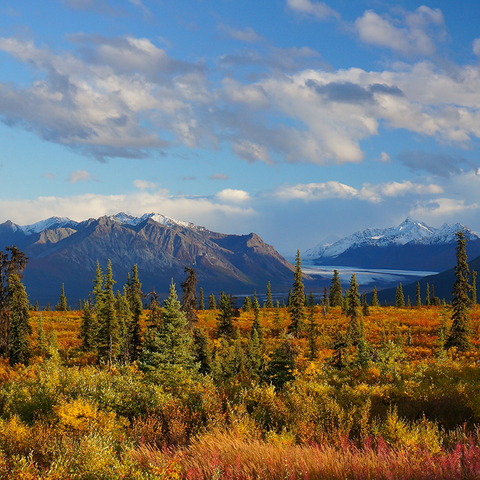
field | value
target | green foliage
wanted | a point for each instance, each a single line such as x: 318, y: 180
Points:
x: 225, y: 317
x: 418, y: 298
x: 335, y: 296
x: 399, y: 298
x: 19, y: 313
x: 211, y: 302
x: 247, y: 304
x: 134, y: 341
x: 62, y: 304
x: 88, y: 329
x: 460, y: 330
x: 168, y: 350
x: 297, y: 303
x: 202, y: 350
x: 269, y: 302
x: 189, y: 297
x: 375, y: 302
x: 280, y: 368
x: 201, y: 300
x: 352, y: 311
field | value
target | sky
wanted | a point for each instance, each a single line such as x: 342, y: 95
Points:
x: 294, y: 119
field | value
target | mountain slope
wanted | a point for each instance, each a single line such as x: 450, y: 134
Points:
x: 412, y: 245
x: 67, y: 252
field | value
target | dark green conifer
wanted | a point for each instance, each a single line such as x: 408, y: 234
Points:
x: 202, y: 352
x: 427, y: 295
x: 460, y: 329
x: 189, y: 298
x: 335, y: 297
x: 280, y: 368
x: 296, y: 308
x: 87, y: 329
x: 19, y: 320
x: 269, y: 302
x: 212, y: 305
x: 225, y: 318
x: 134, y: 295
x: 169, y: 347
x: 375, y: 302
x: 201, y: 300
x: 62, y: 304
x: 247, y: 304
x: 352, y: 311
x: 418, y: 298
x: 365, y: 308
x: 399, y: 298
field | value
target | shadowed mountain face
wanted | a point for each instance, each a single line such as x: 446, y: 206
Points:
x: 66, y: 252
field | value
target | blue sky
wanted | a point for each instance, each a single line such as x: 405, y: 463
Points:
x: 295, y: 119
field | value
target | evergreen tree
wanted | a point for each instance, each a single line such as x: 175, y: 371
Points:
x: 247, y: 304
x: 87, y: 329
x: 255, y: 304
x: 47, y: 308
x: 375, y: 302
x: 269, y: 302
x: 365, y: 309
x: 325, y: 301
x: 189, y: 298
x: 427, y: 295
x: 155, y: 317
x: 289, y: 298
x: 408, y: 301
x: 212, y: 305
x: 125, y: 324
x: 134, y: 342
x: 298, y: 300
x: 418, y: 298
x: 62, y: 304
x: 399, y: 298
x: 169, y: 347
x: 280, y: 368
x: 336, y: 296
x: 311, y: 300
x: 19, y: 320
x: 202, y: 352
x: 460, y: 329
x: 352, y: 311
x: 474, y: 288
x: 36, y: 307
x: 108, y: 340
x: 201, y: 300
x: 255, y: 355
x: 256, y: 326
x: 225, y: 318
x: 98, y: 290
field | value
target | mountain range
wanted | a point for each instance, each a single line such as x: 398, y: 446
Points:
x: 411, y: 245
x: 61, y: 250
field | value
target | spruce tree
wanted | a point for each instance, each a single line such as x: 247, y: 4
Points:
x: 212, y: 305
x: 269, y: 302
x: 418, y: 298
x: 255, y: 304
x: 134, y: 331
x: 169, y: 347
x: 399, y: 297
x: 336, y: 296
x: 19, y: 320
x: 62, y: 304
x: 247, y: 304
x: 108, y: 340
x: 256, y: 326
x: 365, y: 308
x: 460, y: 329
x: 375, y: 302
x: 474, y: 288
x: 201, y: 300
x: 352, y: 311
x: 282, y: 363
x: 427, y: 295
x: 202, y: 352
x: 225, y: 318
x: 296, y: 308
x: 87, y: 329
x: 189, y: 298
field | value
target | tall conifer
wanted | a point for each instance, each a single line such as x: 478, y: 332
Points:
x: 296, y: 308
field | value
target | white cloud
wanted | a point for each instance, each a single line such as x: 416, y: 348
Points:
x: 218, y: 176
x: 476, y: 47
x: 80, y: 176
x: 251, y: 152
x: 144, y: 185
x: 319, y: 10
x: 384, y: 157
x: 416, y: 36
x: 444, y: 208
x: 201, y: 211
x: 248, y: 34
x: 371, y: 193
x: 230, y: 195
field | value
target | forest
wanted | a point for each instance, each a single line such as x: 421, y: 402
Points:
x: 196, y: 387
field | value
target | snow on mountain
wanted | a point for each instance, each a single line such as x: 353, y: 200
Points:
x: 52, y: 222
x: 122, y: 218
x: 409, y: 232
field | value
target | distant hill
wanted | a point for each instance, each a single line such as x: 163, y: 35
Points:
x: 64, y: 251
x: 412, y: 245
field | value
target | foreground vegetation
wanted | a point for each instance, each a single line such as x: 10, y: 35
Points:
x: 408, y: 411
x: 332, y: 391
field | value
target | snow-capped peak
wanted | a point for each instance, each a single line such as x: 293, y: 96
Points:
x: 52, y: 222
x: 126, y: 219
x: 408, y: 232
